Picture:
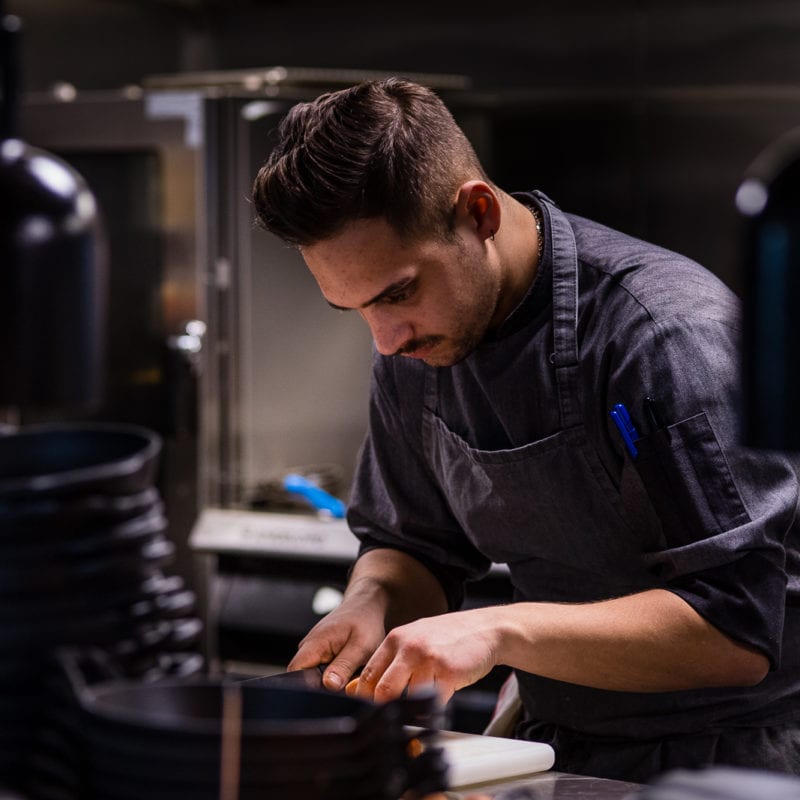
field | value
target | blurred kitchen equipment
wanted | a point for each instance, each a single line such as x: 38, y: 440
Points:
x: 272, y: 493
x: 324, y: 502
x: 83, y: 549
x: 720, y: 783
x: 52, y: 267
x: 62, y: 460
x: 166, y: 740
x: 768, y: 200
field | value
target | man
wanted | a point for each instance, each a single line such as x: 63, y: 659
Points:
x: 557, y: 396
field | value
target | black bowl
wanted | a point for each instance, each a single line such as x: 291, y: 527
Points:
x: 47, y: 517
x: 83, y: 542
x: 84, y: 599
x: 165, y: 741
x: 277, y: 723
x: 78, y: 458
x: 105, y: 571
x: 188, y: 709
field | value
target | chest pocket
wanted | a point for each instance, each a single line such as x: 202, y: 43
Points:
x: 689, y: 482
x: 547, y: 502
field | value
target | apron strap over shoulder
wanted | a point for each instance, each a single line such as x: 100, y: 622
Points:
x: 560, y: 247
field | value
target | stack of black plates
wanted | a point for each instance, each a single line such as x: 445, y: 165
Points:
x: 206, y: 739
x: 83, y: 551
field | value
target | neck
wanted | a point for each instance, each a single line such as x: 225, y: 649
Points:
x: 517, y: 245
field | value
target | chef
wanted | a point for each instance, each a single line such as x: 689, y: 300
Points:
x: 559, y: 397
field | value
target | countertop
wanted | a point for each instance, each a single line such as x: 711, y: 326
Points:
x: 541, y: 786
x: 491, y: 765
x: 552, y: 786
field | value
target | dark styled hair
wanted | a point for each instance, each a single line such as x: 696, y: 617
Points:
x: 387, y: 148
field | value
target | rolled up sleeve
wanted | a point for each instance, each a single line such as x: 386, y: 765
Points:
x: 727, y: 512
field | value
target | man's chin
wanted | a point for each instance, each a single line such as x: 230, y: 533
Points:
x: 448, y: 358
x: 440, y: 352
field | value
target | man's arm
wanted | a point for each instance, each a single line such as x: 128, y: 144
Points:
x: 387, y: 588
x: 648, y: 642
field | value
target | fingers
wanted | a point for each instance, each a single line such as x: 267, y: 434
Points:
x: 340, y: 644
x: 375, y: 671
x: 408, y: 658
x: 390, y: 674
x: 340, y: 667
x: 311, y: 653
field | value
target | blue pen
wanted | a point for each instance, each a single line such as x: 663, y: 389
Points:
x: 622, y: 419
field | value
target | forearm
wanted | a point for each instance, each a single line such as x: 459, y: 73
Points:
x: 398, y: 585
x: 648, y: 642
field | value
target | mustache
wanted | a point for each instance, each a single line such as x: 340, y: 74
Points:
x: 417, y: 344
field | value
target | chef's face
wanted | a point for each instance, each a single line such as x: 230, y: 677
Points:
x: 429, y: 299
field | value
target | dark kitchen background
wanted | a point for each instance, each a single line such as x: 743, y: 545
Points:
x: 643, y: 115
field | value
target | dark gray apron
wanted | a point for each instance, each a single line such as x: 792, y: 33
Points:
x: 550, y: 511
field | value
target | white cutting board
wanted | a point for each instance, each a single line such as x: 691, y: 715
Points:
x: 477, y: 759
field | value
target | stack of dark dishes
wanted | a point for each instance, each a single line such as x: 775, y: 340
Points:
x: 208, y: 739
x: 83, y: 551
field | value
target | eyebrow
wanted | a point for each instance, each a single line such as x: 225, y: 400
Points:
x: 390, y: 289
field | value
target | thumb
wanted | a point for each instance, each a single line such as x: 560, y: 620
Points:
x: 340, y: 670
x: 310, y: 654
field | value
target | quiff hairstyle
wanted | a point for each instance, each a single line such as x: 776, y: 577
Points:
x: 387, y: 148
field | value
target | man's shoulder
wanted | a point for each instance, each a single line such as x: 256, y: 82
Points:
x: 660, y: 281
x: 617, y: 252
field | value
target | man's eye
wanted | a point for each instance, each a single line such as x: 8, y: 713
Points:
x: 398, y: 296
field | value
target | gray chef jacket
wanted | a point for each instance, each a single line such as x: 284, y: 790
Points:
x: 512, y: 456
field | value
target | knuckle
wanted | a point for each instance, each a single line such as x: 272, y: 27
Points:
x: 343, y: 666
x: 383, y: 691
x: 394, y: 637
x: 367, y: 675
x: 417, y: 649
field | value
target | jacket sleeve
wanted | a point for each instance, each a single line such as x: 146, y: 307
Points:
x: 728, y: 513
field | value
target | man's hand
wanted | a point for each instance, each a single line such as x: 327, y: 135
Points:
x: 386, y: 588
x: 449, y: 651
x: 344, y: 639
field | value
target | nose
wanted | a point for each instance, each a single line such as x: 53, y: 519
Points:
x: 389, y: 331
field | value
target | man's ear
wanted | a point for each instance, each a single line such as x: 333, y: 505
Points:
x: 478, y: 204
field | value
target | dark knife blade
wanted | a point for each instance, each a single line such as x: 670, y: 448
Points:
x: 310, y: 678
